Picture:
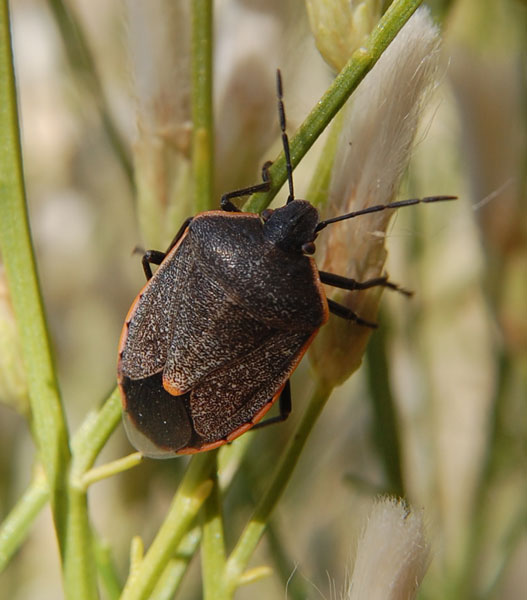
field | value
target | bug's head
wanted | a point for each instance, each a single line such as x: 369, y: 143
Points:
x: 292, y: 227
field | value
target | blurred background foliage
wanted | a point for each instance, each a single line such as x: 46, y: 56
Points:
x: 450, y: 364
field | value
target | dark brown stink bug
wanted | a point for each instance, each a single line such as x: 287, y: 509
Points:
x: 211, y: 341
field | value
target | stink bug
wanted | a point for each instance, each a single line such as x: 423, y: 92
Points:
x: 212, y: 339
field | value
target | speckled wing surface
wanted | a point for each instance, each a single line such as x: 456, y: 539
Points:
x: 234, y: 394
x: 212, y: 330
x: 150, y: 323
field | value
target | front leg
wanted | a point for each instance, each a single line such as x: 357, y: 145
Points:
x: 155, y: 257
x: 229, y: 206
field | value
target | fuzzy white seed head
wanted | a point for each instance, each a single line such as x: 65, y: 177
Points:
x: 374, y: 149
x: 392, y: 554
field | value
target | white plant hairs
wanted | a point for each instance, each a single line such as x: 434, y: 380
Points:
x: 392, y: 554
x: 376, y: 141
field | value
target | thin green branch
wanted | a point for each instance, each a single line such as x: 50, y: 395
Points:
x: 213, y: 545
x: 110, y: 469
x: 192, y: 493
x: 93, y: 434
x: 321, y: 180
x: 107, y: 570
x: 80, y: 561
x: 173, y: 574
x: 359, y: 65
x: 240, y: 556
x: 80, y: 573
x: 202, y: 118
x: 87, y: 443
x: 49, y: 427
x: 16, y: 525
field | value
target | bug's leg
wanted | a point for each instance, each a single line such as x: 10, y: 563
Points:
x: 284, y: 406
x: 151, y: 257
x: 229, y: 206
x: 179, y: 234
x: 155, y: 257
x: 347, y: 283
x: 346, y: 313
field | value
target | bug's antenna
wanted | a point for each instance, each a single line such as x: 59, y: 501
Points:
x: 285, y: 139
x: 379, y: 207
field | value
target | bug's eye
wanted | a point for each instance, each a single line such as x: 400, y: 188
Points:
x: 265, y: 214
x: 308, y: 248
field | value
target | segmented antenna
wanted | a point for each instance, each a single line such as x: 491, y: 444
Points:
x: 379, y: 207
x: 285, y: 139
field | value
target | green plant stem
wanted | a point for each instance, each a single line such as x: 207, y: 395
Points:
x: 242, y: 552
x: 48, y: 422
x: 83, y: 67
x: 192, y: 493
x: 89, y: 440
x: 80, y: 563
x: 87, y: 443
x: 202, y: 118
x: 80, y: 572
x: 107, y: 570
x: 385, y: 426
x: 16, y: 525
x: 172, y: 576
x: 320, y: 182
x: 112, y: 468
x: 213, y: 545
x: 360, y: 63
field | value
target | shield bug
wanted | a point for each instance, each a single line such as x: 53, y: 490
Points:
x: 210, y: 342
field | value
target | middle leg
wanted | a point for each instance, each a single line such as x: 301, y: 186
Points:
x: 346, y: 283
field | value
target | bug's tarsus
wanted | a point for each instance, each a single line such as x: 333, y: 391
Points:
x: 285, y: 139
x: 156, y: 257
x: 346, y: 313
x: 266, y: 176
x: 151, y: 257
x: 284, y: 404
x: 346, y: 283
x: 381, y: 207
x: 229, y: 206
